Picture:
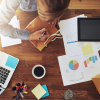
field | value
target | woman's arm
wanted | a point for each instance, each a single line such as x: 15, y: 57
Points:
x: 7, y: 11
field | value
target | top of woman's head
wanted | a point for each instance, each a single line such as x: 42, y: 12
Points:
x: 49, y: 10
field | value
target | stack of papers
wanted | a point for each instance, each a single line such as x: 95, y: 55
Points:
x: 40, y: 91
x: 7, y: 41
x: 81, y: 61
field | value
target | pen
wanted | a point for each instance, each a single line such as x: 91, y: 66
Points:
x: 42, y: 35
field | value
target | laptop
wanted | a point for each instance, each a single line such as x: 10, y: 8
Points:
x: 8, y: 65
x: 88, y: 29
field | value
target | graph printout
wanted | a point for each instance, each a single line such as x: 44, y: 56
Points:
x: 79, y: 64
x: 80, y: 69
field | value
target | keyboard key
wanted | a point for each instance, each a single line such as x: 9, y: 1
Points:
x: 3, y: 74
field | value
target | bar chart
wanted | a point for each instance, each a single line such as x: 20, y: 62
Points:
x: 92, y: 59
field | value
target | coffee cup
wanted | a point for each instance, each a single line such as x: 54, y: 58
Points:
x: 38, y: 71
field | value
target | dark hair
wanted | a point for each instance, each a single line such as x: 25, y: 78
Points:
x: 49, y: 10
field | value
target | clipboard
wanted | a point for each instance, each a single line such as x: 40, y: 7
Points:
x: 38, y: 24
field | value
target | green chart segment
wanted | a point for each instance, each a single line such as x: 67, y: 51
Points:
x: 73, y: 65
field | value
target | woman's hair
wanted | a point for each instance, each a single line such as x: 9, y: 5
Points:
x: 49, y: 10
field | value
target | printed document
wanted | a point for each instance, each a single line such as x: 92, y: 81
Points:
x: 81, y: 61
x: 7, y: 41
x: 75, y: 70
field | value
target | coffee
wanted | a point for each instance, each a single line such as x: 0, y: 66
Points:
x: 38, y: 71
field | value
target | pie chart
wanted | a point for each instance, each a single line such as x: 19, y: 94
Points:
x: 73, y: 65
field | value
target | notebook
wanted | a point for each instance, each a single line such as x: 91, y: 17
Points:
x: 38, y: 24
x: 8, y: 65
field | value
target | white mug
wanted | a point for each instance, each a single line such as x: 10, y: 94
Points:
x: 34, y: 73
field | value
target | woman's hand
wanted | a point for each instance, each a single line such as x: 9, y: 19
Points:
x: 54, y: 23
x: 36, y: 35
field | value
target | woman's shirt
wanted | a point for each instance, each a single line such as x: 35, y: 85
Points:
x: 7, y: 11
x: 28, y: 5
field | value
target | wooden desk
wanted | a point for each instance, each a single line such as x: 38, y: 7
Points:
x: 30, y: 56
x: 83, y: 4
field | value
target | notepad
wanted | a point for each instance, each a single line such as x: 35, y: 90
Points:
x: 87, y: 49
x: 47, y: 93
x: 38, y: 24
x: 11, y: 62
x: 38, y: 91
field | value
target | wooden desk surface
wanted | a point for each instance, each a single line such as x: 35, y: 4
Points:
x: 30, y: 56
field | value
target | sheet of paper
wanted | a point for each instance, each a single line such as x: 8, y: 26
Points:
x: 70, y: 32
x: 38, y: 91
x: 69, y: 22
x: 74, y: 70
x: 72, y: 49
x: 87, y: 49
x: 98, y: 45
x: 67, y: 29
x: 70, y: 67
x: 7, y: 41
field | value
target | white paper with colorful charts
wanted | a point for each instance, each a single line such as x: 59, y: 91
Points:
x: 81, y: 69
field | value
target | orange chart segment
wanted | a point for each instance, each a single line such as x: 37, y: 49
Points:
x: 74, y: 62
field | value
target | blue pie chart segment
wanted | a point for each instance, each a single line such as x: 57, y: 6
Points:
x: 71, y: 66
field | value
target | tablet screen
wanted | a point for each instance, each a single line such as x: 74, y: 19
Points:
x: 89, y: 29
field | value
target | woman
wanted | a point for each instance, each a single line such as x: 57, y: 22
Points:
x: 49, y: 11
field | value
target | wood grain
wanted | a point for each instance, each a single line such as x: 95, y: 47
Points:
x: 29, y: 56
x: 84, y: 4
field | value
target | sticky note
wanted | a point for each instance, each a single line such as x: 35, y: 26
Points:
x: 11, y: 62
x: 47, y: 93
x: 38, y: 91
x: 87, y: 49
